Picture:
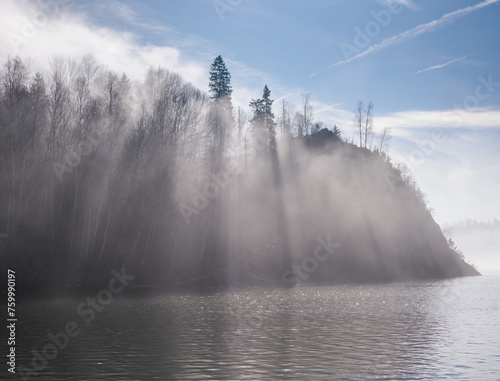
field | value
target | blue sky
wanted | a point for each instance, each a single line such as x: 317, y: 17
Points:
x: 417, y: 66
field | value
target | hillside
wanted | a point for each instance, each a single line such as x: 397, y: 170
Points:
x: 381, y: 221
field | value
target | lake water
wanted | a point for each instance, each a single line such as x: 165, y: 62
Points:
x: 409, y: 331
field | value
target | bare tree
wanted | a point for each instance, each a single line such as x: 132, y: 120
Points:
x: 89, y: 67
x: 384, y: 140
x: 304, y: 117
x: 358, y: 121
x: 368, y: 128
x: 59, y: 110
x: 285, y: 118
x: 363, y: 123
x: 241, y: 120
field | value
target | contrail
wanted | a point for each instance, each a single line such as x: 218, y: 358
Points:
x: 443, y: 65
x: 414, y: 32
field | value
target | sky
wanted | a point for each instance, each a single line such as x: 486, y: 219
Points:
x: 430, y: 67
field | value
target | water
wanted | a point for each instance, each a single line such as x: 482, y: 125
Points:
x: 414, y: 331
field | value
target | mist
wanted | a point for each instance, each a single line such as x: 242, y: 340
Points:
x: 480, y: 240
x: 99, y: 172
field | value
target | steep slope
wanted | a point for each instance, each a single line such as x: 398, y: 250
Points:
x: 380, y: 224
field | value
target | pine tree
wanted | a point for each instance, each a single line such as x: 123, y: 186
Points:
x: 265, y: 133
x: 220, y: 81
x: 220, y: 90
x: 221, y: 122
x: 263, y: 122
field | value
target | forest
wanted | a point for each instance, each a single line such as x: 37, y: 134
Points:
x: 186, y: 191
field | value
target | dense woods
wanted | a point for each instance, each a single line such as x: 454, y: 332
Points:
x: 184, y: 190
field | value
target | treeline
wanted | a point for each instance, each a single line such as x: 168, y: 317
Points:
x: 98, y: 173
x: 472, y: 224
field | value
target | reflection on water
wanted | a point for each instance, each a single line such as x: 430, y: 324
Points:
x: 435, y: 330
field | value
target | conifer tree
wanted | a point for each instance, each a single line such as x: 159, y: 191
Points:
x: 220, y: 81
x: 265, y: 134
x: 220, y: 122
x: 263, y: 122
x: 221, y: 119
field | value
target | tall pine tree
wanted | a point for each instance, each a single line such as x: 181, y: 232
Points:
x: 221, y: 117
x: 220, y: 81
x: 263, y: 123
x: 264, y: 128
x: 214, y: 250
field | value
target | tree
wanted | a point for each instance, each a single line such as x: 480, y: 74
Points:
x: 14, y: 78
x: 368, y: 127
x: 220, y: 81
x: 285, y: 118
x: 453, y: 247
x: 15, y: 136
x: 263, y: 123
x: 317, y: 126
x: 264, y: 128
x: 221, y: 118
x: 363, y: 123
x: 336, y: 131
x: 241, y: 120
x: 304, y: 116
x: 384, y: 140
x: 220, y: 121
x: 358, y: 121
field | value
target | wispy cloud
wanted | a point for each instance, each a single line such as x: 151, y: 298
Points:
x: 428, y: 27
x: 127, y: 14
x: 407, y: 3
x: 457, y: 171
x: 443, y: 65
x: 480, y: 119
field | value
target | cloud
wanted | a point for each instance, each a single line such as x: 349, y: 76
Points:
x: 124, y: 13
x: 41, y: 31
x: 459, y: 173
x: 481, y: 118
x: 418, y: 30
x: 404, y: 124
x: 69, y: 32
x: 443, y: 65
x: 407, y: 3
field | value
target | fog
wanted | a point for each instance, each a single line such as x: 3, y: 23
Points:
x: 185, y: 191
x: 479, y: 240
